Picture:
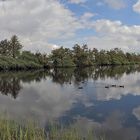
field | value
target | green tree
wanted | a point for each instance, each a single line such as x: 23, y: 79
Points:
x: 81, y: 55
x: 5, y: 48
x: 58, y: 56
x: 15, y: 46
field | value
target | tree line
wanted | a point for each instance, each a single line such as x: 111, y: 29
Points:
x: 13, y: 57
x: 81, y: 56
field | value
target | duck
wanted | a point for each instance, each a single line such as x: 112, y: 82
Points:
x: 106, y: 86
x: 80, y: 88
x: 113, y: 85
x: 121, y: 86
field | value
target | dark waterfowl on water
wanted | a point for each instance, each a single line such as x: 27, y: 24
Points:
x: 121, y: 86
x: 113, y: 85
x: 80, y: 88
x: 106, y: 86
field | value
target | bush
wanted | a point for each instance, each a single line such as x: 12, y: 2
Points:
x: 7, y: 63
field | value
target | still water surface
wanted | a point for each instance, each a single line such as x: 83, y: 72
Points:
x: 76, y: 96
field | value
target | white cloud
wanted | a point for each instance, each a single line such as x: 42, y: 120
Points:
x: 115, y: 4
x: 37, y: 22
x: 88, y: 15
x: 136, y: 7
x: 41, y: 24
x: 77, y: 1
x: 112, y: 34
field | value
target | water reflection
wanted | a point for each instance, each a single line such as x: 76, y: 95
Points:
x: 10, y: 86
x: 55, y: 95
x: 65, y: 76
x: 10, y: 82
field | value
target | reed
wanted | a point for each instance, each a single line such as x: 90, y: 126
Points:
x: 11, y: 130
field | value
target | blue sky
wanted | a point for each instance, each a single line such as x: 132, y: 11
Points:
x: 106, y: 11
x: 124, y: 11
x: 46, y: 24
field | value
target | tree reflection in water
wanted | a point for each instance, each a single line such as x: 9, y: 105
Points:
x: 10, y: 86
x: 10, y: 82
x: 78, y: 75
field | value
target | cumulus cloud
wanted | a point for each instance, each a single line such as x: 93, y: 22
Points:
x: 88, y: 15
x: 41, y: 25
x: 112, y: 34
x: 115, y: 4
x: 77, y: 1
x: 136, y: 7
x: 37, y: 22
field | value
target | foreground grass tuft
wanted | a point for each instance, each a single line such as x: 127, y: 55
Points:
x: 10, y: 130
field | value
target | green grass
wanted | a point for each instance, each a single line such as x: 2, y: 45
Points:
x: 17, y: 64
x: 11, y: 130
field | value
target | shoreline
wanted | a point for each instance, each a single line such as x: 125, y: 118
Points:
x: 30, y: 68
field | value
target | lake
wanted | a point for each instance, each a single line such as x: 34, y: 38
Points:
x: 76, y: 97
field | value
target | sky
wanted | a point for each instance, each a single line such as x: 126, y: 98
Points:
x: 43, y: 25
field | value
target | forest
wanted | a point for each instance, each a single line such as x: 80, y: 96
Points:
x: 13, y: 57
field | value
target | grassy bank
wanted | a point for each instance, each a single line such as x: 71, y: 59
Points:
x: 7, y: 63
x: 10, y: 130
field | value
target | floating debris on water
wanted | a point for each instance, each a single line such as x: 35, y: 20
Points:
x: 80, y: 88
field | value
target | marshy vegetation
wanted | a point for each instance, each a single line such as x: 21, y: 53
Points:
x: 11, y: 130
x: 12, y: 57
